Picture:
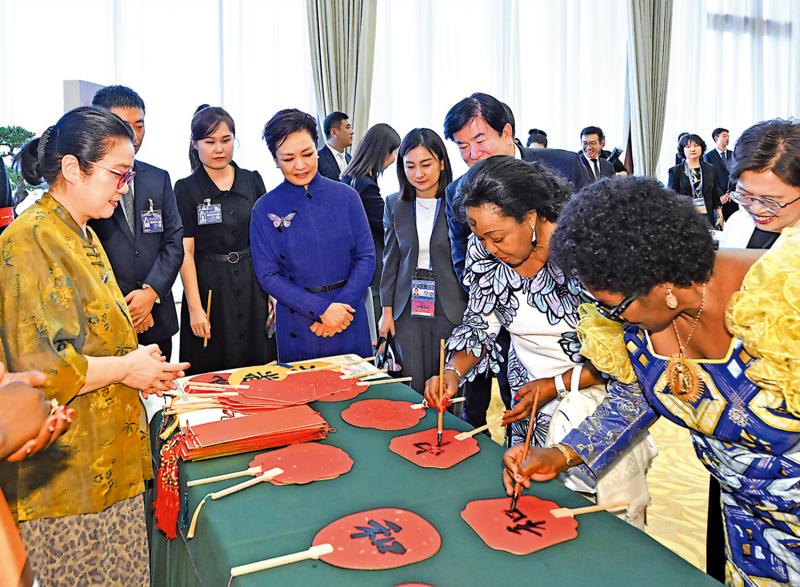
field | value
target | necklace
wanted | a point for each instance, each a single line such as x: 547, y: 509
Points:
x: 683, y: 375
x: 422, y: 204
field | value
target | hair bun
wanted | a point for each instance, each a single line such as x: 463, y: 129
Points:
x: 201, y: 107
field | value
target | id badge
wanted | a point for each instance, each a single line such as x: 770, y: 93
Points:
x: 423, y: 297
x: 152, y: 221
x: 209, y: 213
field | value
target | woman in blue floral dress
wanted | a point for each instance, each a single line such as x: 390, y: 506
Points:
x: 511, y: 207
x: 708, y: 340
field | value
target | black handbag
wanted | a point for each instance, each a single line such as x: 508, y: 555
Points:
x: 386, y: 356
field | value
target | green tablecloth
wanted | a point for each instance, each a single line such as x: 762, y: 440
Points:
x: 266, y: 521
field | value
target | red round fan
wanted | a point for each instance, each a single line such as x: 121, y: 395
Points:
x: 382, y: 414
x: 379, y: 539
x: 384, y: 538
x: 421, y: 448
x: 531, y: 526
x: 304, y: 463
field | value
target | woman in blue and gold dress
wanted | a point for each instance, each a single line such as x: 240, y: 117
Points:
x: 711, y: 338
x: 312, y: 249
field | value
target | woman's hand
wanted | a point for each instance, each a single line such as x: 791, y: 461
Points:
x: 451, y: 382
x: 323, y: 331
x: 51, y: 428
x: 386, y: 324
x: 201, y: 327
x: 26, y: 425
x: 547, y: 392
x: 542, y: 464
x: 147, y: 369
x: 337, y: 315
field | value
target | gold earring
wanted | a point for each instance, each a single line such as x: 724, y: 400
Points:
x: 671, y: 300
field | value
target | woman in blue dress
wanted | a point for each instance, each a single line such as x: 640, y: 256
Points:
x: 312, y: 249
x: 711, y: 339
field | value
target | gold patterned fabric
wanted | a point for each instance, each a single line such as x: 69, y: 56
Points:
x: 603, y: 343
x: 59, y: 303
x: 765, y: 314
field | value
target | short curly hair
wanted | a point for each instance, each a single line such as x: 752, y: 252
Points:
x: 516, y: 187
x: 629, y: 234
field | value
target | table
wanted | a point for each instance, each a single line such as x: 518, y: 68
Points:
x: 266, y: 521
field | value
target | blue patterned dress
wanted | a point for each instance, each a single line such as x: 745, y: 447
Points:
x: 742, y: 434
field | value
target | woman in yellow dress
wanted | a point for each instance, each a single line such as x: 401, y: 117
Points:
x: 79, y: 503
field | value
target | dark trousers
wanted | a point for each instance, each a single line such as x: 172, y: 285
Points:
x: 715, y: 533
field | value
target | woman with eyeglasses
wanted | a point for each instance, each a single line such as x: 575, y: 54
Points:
x: 215, y: 203
x: 79, y: 502
x: 767, y: 175
x: 512, y: 207
x: 694, y: 178
x: 712, y: 341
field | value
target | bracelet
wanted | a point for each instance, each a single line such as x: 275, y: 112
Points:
x: 561, y: 389
x: 455, y: 370
x: 564, y: 451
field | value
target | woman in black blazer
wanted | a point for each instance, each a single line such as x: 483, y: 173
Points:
x: 695, y: 178
x: 417, y: 258
x: 376, y: 151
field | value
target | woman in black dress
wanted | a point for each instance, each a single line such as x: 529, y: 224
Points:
x: 215, y: 203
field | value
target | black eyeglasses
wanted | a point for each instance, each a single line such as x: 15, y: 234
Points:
x: 614, y: 313
x: 124, y: 176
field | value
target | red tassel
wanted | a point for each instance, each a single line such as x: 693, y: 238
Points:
x: 167, y: 504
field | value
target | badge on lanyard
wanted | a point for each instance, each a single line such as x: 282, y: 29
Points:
x: 152, y: 222
x: 208, y: 213
x: 423, y: 297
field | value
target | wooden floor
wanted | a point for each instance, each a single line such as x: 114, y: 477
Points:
x: 678, y: 487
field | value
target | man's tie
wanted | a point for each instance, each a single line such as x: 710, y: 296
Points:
x: 127, y: 206
x: 596, y: 168
x: 725, y: 159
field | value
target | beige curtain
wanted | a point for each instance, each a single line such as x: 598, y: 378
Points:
x: 650, y: 29
x: 342, y: 39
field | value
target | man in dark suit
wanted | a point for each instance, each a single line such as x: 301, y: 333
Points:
x: 144, y: 236
x: 592, y: 142
x: 483, y: 127
x: 333, y: 157
x: 721, y: 159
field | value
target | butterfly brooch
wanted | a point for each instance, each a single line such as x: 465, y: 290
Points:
x: 284, y: 222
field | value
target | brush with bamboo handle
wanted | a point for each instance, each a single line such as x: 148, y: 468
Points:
x: 531, y: 424
x: 208, y: 317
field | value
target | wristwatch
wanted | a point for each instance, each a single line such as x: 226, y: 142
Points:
x: 148, y: 286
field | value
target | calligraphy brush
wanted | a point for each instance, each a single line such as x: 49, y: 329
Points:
x: 441, y: 393
x: 208, y: 317
x: 531, y: 423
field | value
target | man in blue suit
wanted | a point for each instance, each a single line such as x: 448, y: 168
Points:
x: 144, y: 236
x: 482, y: 126
x: 721, y: 159
x: 333, y: 157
